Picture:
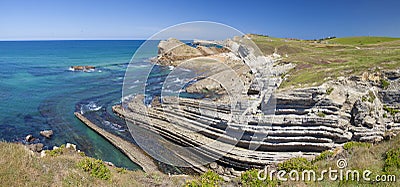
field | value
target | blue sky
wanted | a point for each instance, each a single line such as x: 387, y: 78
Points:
x: 124, y: 19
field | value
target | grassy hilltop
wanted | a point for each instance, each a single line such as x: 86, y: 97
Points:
x: 319, y: 61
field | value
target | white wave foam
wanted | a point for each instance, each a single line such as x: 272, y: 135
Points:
x: 113, y: 125
x: 92, y: 106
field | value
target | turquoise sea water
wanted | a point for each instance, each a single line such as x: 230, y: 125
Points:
x: 38, y: 91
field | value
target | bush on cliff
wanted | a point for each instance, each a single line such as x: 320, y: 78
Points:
x: 323, y: 156
x: 250, y: 178
x: 95, y: 167
x: 207, y: 179
x: 392, y: 161
x: 351, y: 145
x: 297, y: 163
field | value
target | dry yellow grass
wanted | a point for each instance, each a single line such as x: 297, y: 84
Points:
x: 19, y: 167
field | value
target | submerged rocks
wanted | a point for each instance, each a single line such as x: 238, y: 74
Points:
x: 46, y: 133
x: 82, y: 68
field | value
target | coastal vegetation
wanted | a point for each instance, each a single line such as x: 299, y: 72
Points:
x: 318, y: 62
x: 95, y: 167
x: 21, y: 167
x: 391, y: 111
x: 351, y: 145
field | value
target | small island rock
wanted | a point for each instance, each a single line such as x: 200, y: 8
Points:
x: 46, y: 133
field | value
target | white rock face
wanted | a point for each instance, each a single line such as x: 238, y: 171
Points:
x: 71, y: 146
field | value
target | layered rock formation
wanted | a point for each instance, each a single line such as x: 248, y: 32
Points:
x: 264, y: 125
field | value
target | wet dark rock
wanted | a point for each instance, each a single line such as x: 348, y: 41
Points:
x: 392, y: 74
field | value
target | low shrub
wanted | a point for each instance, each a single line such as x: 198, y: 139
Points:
x: 391, y: 111
x: 95, y: 167
x: 323, y: 156
x: 385, y: 84
x: 329, y: 90
x: 56, y: 152
x: 350, y: 145
x: 121, y: 170
x: 371, y: 97
x: 208, y: 178
x: 392, y: 161
x: 297, y: 163
x: 321, y: 114
x: 250, y: 178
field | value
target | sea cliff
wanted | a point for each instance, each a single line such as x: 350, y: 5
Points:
x: 303, y: 122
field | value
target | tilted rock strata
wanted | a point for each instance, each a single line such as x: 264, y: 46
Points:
x: 304, y: 121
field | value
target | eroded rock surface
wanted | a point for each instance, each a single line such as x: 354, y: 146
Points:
x: 302, y: 122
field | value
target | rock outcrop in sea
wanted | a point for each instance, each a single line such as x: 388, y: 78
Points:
x: 82, y: 68
x: 270, y: 125
x: 46, y: 133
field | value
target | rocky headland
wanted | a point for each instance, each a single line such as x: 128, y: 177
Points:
x: 303, y: 121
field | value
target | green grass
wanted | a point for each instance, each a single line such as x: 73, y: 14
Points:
x: 351, y: 145
x: 56, y: 152
x: 391, y: 111
x: 207, y: 179
x: 95, y: 167
x: 385, y: 84
x: 297, y: 163
x: 362, y: 40
x: 20, y: 168
x: 329, y: 91
x: 250, y: 178
x: 392, y: 161
x: 323, y: 156
x: 319, y: 62
x: 321, y: 114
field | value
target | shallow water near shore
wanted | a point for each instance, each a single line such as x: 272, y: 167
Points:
x: 39, y: 91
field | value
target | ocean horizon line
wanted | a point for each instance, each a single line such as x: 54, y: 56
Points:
x: 33, y: 40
